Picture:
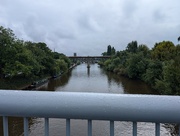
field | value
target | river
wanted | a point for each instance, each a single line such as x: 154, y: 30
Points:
x: 95, y: 79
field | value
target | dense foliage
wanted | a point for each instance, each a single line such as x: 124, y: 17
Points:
x: 28, y: 59
x: 159, y: 67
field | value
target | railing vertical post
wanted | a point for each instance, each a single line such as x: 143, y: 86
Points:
x: 46, y: 126
x: 89, y: 127
x: 134, y: 128
x: 67, y: 127
x: 111, y: 128
x: 5, y: 125
x: 157, y: 129
x: 26, y: 126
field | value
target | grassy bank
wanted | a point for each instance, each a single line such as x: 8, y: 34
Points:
x: 18, y: 83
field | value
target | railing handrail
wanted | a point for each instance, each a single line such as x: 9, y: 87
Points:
x: 94, y: 106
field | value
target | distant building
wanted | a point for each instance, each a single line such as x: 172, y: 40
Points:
x: 75, y: 54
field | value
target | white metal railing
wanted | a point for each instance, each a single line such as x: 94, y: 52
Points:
x: 89, y: 106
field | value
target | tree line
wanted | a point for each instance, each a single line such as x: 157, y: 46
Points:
x: 28, y: 59
x: 159, y: 67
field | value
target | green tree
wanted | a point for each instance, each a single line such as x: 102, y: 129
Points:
x: 62, y: 65
x: 123, y: 55
x: 113, y: 51
x: 163, y: 51
x: 132, y: 47
x: 116, y: 61
x: 7, y: 38
x: 66, y: 59
x: 109, y: 50
x: 144, y: 49
x: 136, y: 66
x: 14, y: 58
x: 104, y: 54
x: 44, y: 57
x: 170, y: 83
x: 153, y: 72
x: 20, y: 60
x: 27, y: 58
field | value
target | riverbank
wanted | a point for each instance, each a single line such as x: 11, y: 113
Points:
x: 19, y: 83
x: 22, y: 83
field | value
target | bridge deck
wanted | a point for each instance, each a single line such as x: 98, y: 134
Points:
x: 89, y: 57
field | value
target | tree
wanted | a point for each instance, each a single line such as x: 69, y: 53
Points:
x: 66, y: 59
x: 113, y: 51
x: 123, y: 55
x: 27, y: 58
x: 20, y: 60
x: 62, y: 65
x: 170, y: 83
x: 163, y: 51
x: 109, y: 50
x: 136, y: 66
x: 38, y: 55
x: 7, y: 50
x: 153, y: 72
x: 116, y: 61
x: 132, y: 47
x: 44, y: 57
x: 178, y: 38
x: 104, y: 54
x: 144, y: 49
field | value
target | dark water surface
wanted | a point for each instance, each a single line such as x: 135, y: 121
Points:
x: 80, y: 79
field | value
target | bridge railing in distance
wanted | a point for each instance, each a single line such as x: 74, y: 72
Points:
x: 89, y: 106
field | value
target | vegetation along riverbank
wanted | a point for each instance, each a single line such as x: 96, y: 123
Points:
x: 22, y: 62
x: 159, y: 67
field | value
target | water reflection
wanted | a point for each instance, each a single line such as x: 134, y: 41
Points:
x: 53, y: 84
x: 95, y: 79
x: 116, y: 84
x: 129, y: 86
x: 88, y: 72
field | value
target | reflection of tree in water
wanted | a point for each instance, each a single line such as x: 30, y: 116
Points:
x: 88, y: 72
x: 15, y: 125
x: 54, y: 83
x: 130, y: 86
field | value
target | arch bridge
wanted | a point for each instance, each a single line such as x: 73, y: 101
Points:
x: 88, y: 59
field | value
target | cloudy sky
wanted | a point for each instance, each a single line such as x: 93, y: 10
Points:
x: 87, y: 27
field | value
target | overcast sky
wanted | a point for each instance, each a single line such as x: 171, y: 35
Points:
x: 87, y: 27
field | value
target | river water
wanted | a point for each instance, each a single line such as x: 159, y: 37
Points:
x: 95, y: 79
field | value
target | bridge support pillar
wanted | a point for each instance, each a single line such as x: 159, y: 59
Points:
x: 88, y: 65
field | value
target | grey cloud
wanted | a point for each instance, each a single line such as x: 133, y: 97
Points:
x: 129, y: 8
x: 88, y: 26
x: 64, y: 34
x: 159, y: 16
x: 88, y: 23
x: 33, y: 29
